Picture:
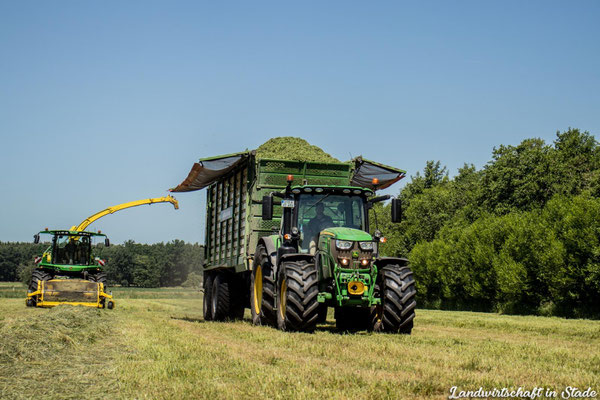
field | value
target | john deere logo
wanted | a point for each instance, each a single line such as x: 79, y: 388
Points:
x: 355, y: 254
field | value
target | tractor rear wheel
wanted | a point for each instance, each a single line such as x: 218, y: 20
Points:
x: 298, y: 290
x: 207, y: 283
x: 396, y: 312
x: 262, y: 289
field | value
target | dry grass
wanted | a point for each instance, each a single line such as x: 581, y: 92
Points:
x: 161, y: 348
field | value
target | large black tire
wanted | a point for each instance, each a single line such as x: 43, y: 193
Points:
x: 298, y: 291
x: 262, y: 289
x: 396, y: 286
x: 100, y: 277
x: 36, y: 276
x: 220, y: 297
x: 207, y: 284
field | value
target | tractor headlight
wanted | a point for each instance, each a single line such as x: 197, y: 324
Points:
x: 366, y: 246
x: 343, y: 244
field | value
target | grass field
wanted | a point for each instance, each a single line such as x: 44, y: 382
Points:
x: 155, y: 345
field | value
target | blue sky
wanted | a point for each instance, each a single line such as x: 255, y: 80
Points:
x: 107, y: 102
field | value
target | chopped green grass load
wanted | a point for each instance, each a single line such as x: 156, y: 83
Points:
x: 294, y: 149
x: 44, y: 333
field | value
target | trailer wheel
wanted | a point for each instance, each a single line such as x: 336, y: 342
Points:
x: 297, y: 291
x: 207, y: 284
x: 396, y: 314
x: 262, y: 289
x: 220, y: 301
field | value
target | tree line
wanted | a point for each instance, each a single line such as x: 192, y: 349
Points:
x: 131, y: 264
x: 520, y: 235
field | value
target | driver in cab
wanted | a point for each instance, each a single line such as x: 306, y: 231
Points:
x: 319, y: 222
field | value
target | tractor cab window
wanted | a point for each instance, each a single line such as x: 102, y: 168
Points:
x: 317, y: 212
x: 72, y: 250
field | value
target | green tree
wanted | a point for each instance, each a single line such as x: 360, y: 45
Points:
x: 518, y: 177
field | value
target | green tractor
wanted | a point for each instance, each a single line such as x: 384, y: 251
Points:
x: 68, y: 273
x: 324, y: 257
x: 289, y: 252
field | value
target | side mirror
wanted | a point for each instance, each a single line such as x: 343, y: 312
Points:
x: 36, y: 238
x: 267, y: 208
x: 106, y: 242
x: 396, y: 210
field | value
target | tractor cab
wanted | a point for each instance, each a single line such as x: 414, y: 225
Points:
x: 327, y: 209
x: 310, y: 211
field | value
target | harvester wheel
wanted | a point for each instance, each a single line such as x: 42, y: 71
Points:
x: 351, y: 319
x: 36, y: 276
x: 396, y: 286
x: 100, y: 277
x: 207, y: 284
x: 262, y: 289
x: 298, y: 290
x: 221, y: 300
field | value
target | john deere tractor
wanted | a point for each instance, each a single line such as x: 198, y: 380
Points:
x: 324, y: 256
x: 290, y: 239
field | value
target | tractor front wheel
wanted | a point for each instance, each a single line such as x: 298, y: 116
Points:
x: 396, y: 313
x: 298, y: 290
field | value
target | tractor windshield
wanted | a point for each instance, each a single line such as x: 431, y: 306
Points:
x: 72, y: 250
x: 316, y: 212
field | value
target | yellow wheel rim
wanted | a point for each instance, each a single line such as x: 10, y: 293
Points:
x: 257, y: 289
x: 282, y: 298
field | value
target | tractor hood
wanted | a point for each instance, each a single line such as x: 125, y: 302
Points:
x: 347, y: 234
